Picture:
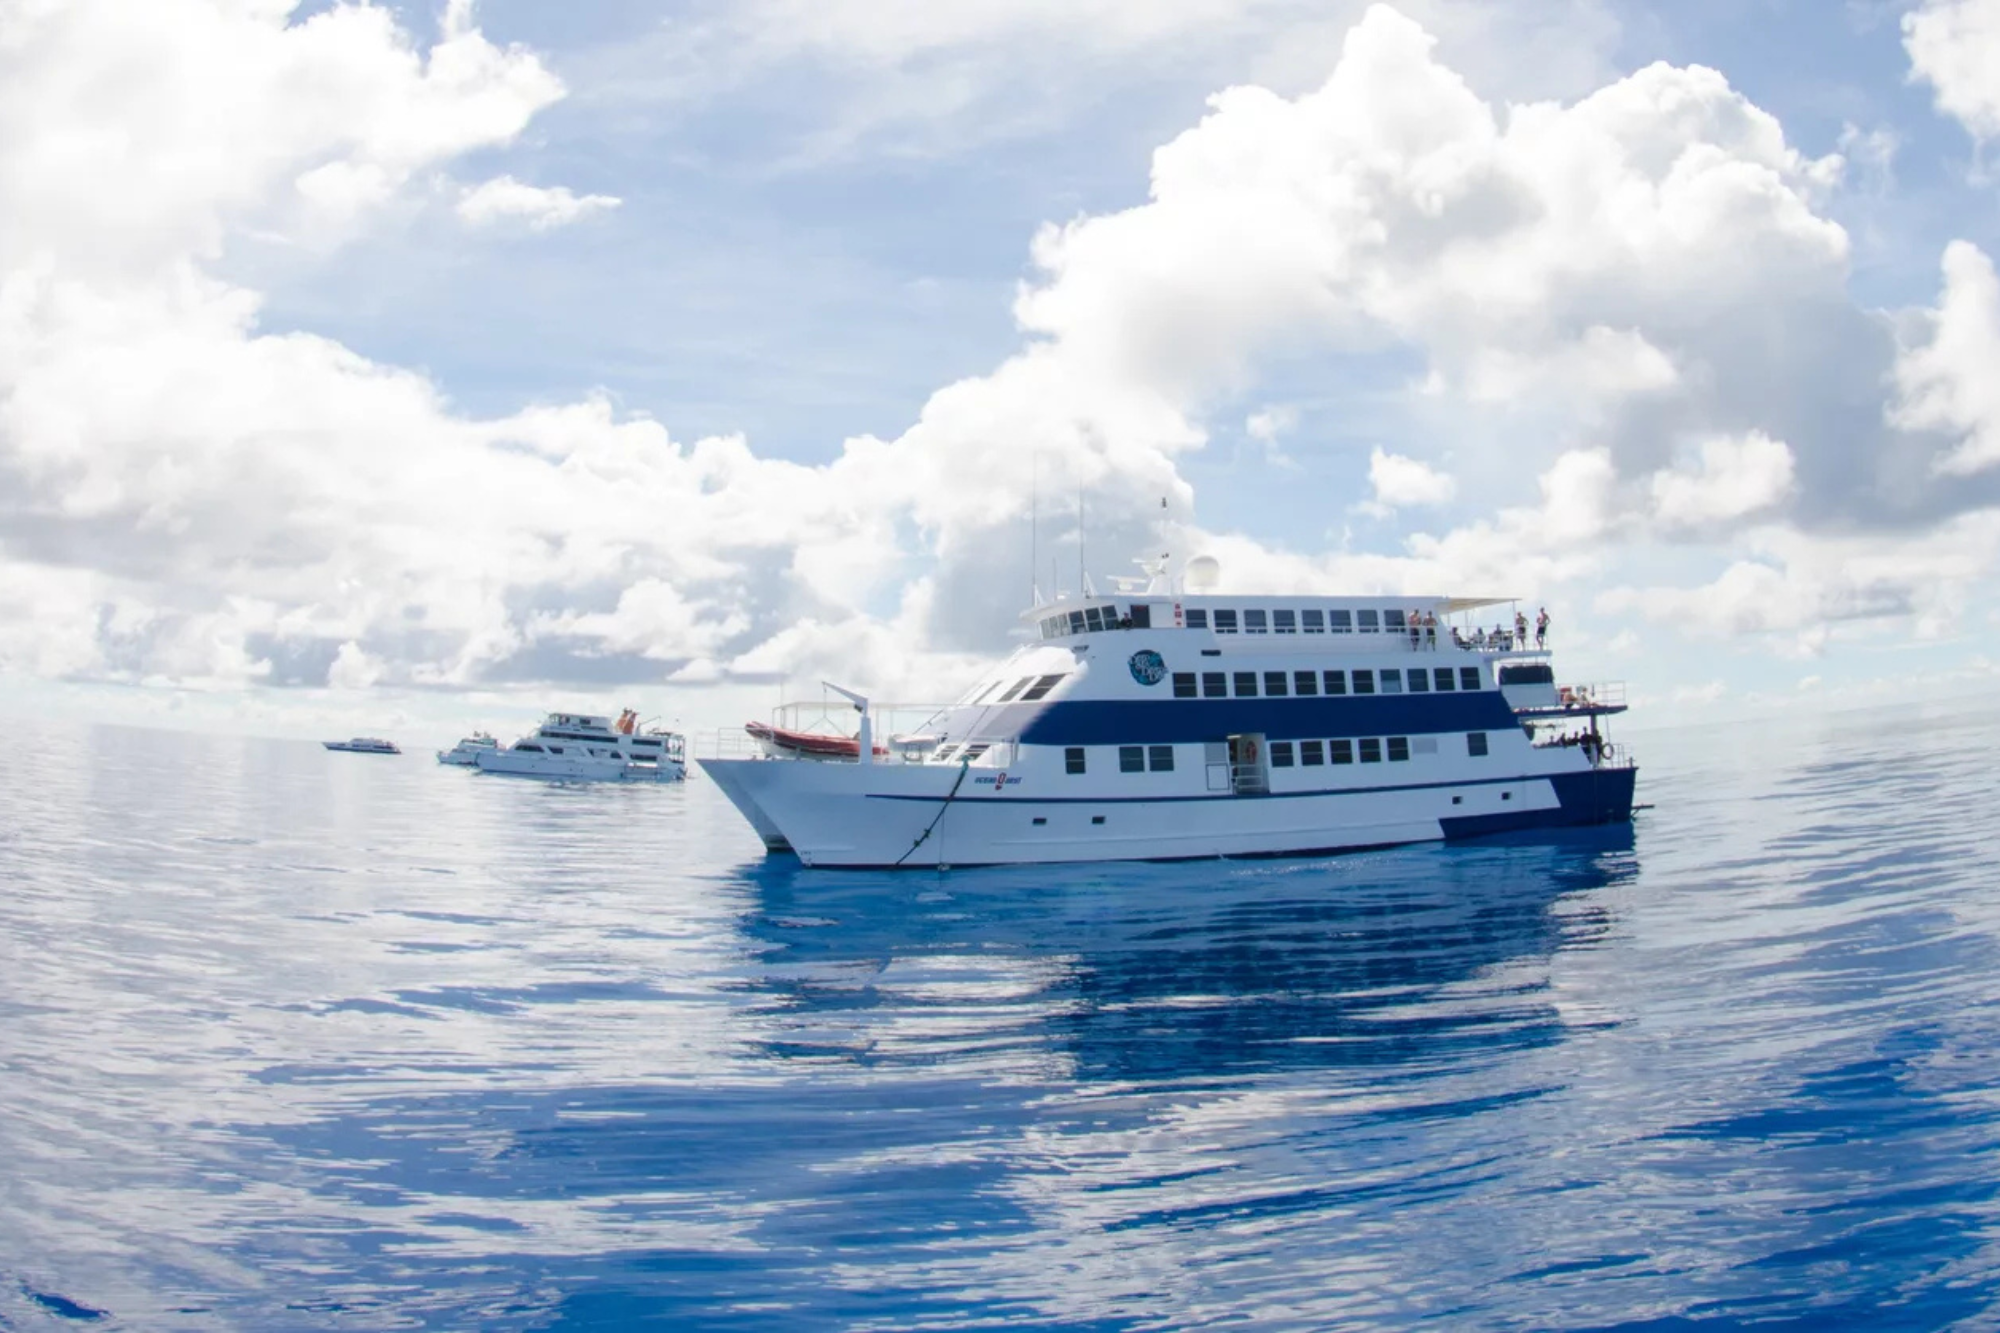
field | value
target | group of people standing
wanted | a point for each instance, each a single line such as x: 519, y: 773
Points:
x: 1502, y: 639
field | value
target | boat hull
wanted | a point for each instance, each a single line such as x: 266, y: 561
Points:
x: 890, y: 815
x: 577, y: 768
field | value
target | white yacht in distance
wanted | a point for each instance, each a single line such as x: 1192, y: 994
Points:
x: 584, y: 747
x: 1166, y: 723
x: 363, y: 745
x: 466, y: 753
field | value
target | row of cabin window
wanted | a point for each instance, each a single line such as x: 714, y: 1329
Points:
x: 1131, y: 759
x: 1307, y: 684
x: 1370, y: 749
x: 1223, y: 620
x: 1089, y: 620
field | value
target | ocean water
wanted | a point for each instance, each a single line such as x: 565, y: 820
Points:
x: 298, y: 1040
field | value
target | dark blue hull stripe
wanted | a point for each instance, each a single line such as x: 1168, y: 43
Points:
x: 1171, y: 721
x: 1561, y: 780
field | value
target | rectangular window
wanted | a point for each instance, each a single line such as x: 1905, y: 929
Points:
x: 1420, y: 680
x: 1093, y: 618
x: 1475, y: 744
x: 1371, y: 751
x: 973, y: 752
x: 1335, y: 682
x: 1285, y: 622
x: 1468, y: 678
x: 1073, y: 759
x: 1274, y: 684
x: 1076, y: 622
x: 1399, y: 749
x: 1424, y: 745
x: 1041, y: 688
x: 1214, y: 685
x: 1305, y: 683
x: 1131, y: 759
x: 1392, y: 620
x: 1197, y: 619
x: 1341, y: 622
x: 1225, y: 621
x: 1312, y: 754
x: 1246, y: 684
x: 1160, y: 758
x: 1314, y: 622
x: 1392, y: 681
x: 1142, y: 615
x: 1015, y: 689
x: 1371, y: 622
x: 1184, y: 685
x: 1341, y: 752
x: 1364, y: 682
x: 1445, y: 680
x: 1256, y: 622
x: 1281, y: 754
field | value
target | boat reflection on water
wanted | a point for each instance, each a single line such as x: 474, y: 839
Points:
x: 1186, y: 971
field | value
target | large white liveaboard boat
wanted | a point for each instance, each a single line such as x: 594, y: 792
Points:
x: 583, y: 747
x: 363, y: 745
x: 1172, y: 721
x: 466, y: 753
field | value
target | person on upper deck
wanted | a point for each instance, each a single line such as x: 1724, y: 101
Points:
x: 1542, y: 629
x: 1521, y: 628
x: 1431, y: 630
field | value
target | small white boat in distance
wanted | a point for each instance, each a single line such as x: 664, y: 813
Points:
x: 364, y: 745
x: 466, y: 753
x: 582, y: 747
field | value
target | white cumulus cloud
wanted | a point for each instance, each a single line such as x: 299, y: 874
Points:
x: 1398, y: 481
x: 1732, y: 477
x: 1954, y: 45
x: 504, y: 199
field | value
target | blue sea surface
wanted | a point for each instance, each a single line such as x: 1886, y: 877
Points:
x: 299, y: 1040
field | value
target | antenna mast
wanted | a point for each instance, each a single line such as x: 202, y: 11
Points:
x: 1034, y: 524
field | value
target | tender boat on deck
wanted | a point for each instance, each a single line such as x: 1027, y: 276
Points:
x: 582, y: 747
x: 1162, y: 723
x: 363, y: 745
x: 466, y: 753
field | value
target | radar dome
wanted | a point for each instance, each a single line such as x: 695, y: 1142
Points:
x: 1204, y: 574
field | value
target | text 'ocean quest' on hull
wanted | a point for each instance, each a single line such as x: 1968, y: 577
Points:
x: 1164, y: 724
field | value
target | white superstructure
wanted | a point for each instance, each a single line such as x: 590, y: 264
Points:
x: 466, y: 753
x: 1168, y: 724
x: 583, y: 747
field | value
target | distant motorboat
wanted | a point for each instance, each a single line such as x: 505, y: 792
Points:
x: 466, y: 753
x: 364, y: 745
x: 582, y: 747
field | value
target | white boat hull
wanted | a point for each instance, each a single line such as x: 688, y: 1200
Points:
x: 894, y: 815
x: 577, y: 767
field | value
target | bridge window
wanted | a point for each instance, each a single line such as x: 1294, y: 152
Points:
x: 1225, y: 620
x: 1073, y: 759
x: 1093, y: 618
x: 1392, y: 681
x: 1160, y: 758
x: 1371, y: 751
x: 1371, y: 622
x: 1041, y: 688
x: 1285, y: 622
x: 1076, y: 622
x: 1336, y: 682
x: 1131, y: 759
x: 1468, y: 678
x: 1364, y: 682
x: 1529, y: 673
x: 1475, y: 744
x: 1255, y: 622
x: 1142, y: 615
x: 1274, y: 684
x: 1281, y: 754
x: 1446, y: 681
x: 1341, y: 752
x: 1305, y: 683
x: 1420, y: 680
x: 1342, y: 622
x: 1197, y: 618
x: 1015, y: 689
x: 1392, y: 620
x: 1246, y: 684
x: 1399, y: 749
x: 1184, y: 685
x: 1312, y: 754
x: 1214, y: 685
x: 1313, y: 622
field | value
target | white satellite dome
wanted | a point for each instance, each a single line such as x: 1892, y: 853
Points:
x: 1204, y: 574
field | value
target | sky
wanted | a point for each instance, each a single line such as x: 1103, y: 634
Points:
x: 408, y: 367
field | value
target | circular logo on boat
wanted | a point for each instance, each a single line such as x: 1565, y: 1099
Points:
x: 1148, y: 667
